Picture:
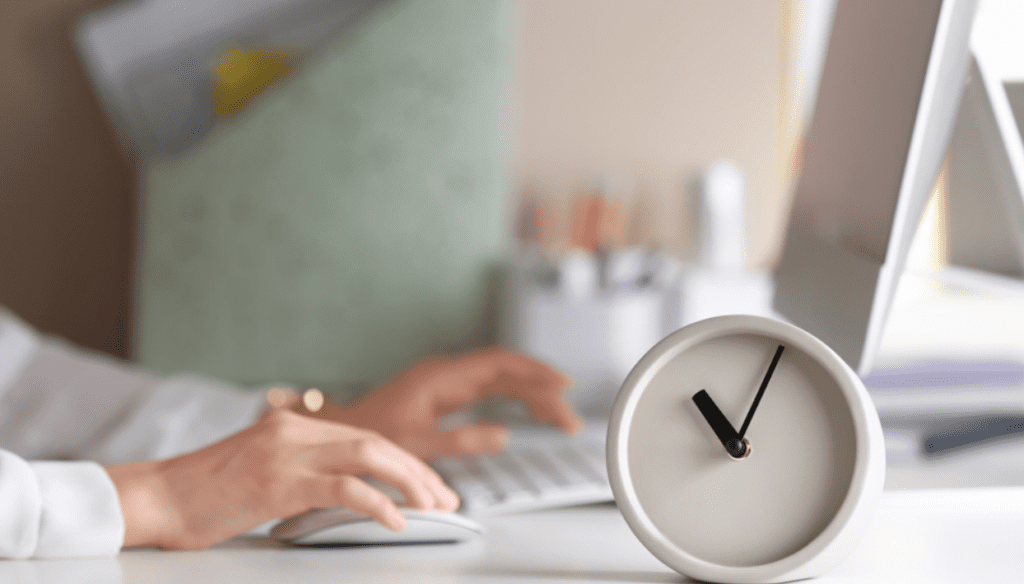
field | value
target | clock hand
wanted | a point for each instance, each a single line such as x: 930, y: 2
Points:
x: 720, y: 425
x: 732, y: 440
x: 760, y: 392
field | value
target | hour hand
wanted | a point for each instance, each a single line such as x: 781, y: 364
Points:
x: 727, y: 435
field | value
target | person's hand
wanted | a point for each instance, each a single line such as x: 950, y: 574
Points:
x: 408, y: 408
x: 281, y: 466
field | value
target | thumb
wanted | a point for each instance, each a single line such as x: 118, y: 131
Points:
x: 482, y: 438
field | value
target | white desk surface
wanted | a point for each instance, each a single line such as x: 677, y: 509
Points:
x: 928, y: 536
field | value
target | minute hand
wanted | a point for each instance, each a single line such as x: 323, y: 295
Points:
x: 760, y: 392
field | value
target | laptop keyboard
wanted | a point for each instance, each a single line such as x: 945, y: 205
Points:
x: 530, y: 477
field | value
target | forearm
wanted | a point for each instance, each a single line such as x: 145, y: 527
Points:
x: 144, y: 503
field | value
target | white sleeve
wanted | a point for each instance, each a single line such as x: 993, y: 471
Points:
x: 57, y: 509
x: 60, y: 402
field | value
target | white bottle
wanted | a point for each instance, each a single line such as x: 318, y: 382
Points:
x: 723, y: 225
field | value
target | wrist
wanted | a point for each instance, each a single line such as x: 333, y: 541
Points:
x: 144, y: 504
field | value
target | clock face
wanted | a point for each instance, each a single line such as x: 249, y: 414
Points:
x: 712, y: 480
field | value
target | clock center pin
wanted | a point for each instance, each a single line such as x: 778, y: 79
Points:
x: 738, y: 449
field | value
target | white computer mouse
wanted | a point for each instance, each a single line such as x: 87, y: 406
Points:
x: 340, y: 526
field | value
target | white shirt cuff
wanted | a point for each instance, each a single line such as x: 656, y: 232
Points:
x: 57, y: 509
x: 81, y: 512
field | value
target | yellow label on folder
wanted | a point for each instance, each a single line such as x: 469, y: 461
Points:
x: 243, y: 74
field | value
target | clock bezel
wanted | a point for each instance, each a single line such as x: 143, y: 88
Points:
x: 844, y: 529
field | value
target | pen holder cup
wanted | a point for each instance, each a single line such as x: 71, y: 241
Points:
x: 595, y: 340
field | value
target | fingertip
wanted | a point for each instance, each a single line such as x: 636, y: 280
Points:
x: 553, y: 377
x: 482, y: 440
x: 560, y: 413
x: 567, y: 420
x: 557, y: 376
x: 573, y: 424
x: 394, y: 520
x: 563, y: 380
x: 419, y: 495
x: 555, y: 383
x: 497, y: 439
x: 449, y: 500
x: 426, y: 501
x: 445, y: 499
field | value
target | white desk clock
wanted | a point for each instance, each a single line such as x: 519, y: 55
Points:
x: 742, y: 449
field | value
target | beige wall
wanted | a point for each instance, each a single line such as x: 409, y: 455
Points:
x: 654, y: 90
x: 67, y: 195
